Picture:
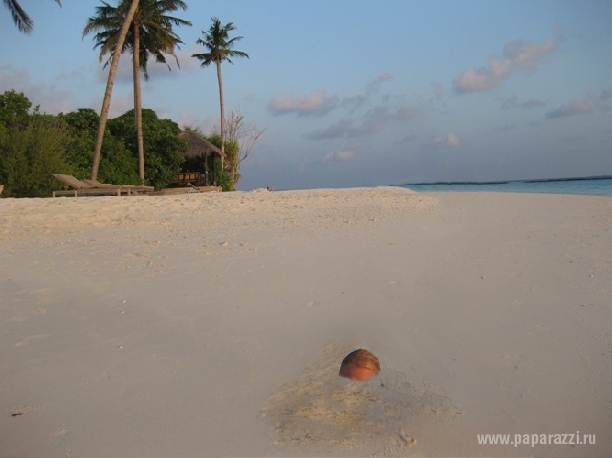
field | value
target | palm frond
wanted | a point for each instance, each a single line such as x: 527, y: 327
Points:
x: 157, y: 35
x: 216, y: 40
x: 21, y: 19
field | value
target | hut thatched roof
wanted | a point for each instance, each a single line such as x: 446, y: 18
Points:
x: 198, y: 146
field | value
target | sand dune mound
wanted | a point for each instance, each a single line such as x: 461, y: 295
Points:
x: 321, y: 409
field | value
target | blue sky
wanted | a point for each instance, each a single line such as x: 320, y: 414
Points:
x: 362, y: 93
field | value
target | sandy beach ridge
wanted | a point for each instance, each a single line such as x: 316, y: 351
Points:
x: 214, y: 324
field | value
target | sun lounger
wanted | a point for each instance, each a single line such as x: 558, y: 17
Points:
x: 133, y: 187
x: 84, y: 189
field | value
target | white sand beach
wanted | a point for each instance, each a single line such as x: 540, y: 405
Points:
x: 214, y: 324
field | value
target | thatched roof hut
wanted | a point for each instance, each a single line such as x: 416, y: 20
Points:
x: 201, y: 160
x: 198, y: 146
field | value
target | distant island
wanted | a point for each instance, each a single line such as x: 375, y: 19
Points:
x: 538, y: 180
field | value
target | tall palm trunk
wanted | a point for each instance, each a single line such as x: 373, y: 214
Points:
x: 220, y: 78
x: 109, y: 88
x: 138, y: 101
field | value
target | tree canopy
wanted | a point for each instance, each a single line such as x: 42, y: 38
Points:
x: 150, y: 33
x: 33, y: 146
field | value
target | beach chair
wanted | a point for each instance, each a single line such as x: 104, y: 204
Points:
x: 135, y: 188
x: 84, y: 189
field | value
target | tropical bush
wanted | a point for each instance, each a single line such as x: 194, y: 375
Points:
x: 118, y: 165
x: 163, y: 158
x: 32, y: 147
x: 223, y: 177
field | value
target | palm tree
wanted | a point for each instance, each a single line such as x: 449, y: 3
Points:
x: 150, y: 34
x: 109, y: 86
x: 219, y: 46
x: 20, y: 17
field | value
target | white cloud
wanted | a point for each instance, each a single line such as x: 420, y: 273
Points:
x: 374, y: 120
x: 516, y: 54
x: 405, y: 113
x: 407, y: 139
x: 207, y: 125
x: 527, y: 53
x: 513, y: 102
x: 585, y: 105
x: 186, y: 62
x: 532, y: 103
x: 11, y: 77
x: 119, y: 105
x: 340, y: 156
x: 452, y: 140
x: 509, y: 102
x: 317, y: 103
x: 472, y: 79
x: 124, y: 70
x: 354, y: 102
x: 438, y: 90
x: 382, y: 115
x: 154, y: 69
x: 180, y: 63
x: 373, y: 86
x: 50, y: 99
x: 341, y: 128
x: 505, y: 127
x: 449, y: 139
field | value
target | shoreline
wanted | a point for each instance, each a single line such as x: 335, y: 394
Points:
x: 215, y: 325
x: 531, y: 180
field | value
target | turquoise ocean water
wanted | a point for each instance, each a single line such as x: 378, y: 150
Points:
x: 596, y: 186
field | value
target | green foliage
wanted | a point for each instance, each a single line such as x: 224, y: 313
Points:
x: 154, y: 28
x: 34, y: 146
x: 30, y: 154
x: 220, y: 48
x: 194, y: 129
x: 150, y: 34
x: 163, y: 158
x: 215, y: 139
x: 232, y: 159
x: 232, y: 149
x: 118, y: 165
x: 14, y: 110
x: 22, y: 21
x: 223, y: 178
x: 219, y: 44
